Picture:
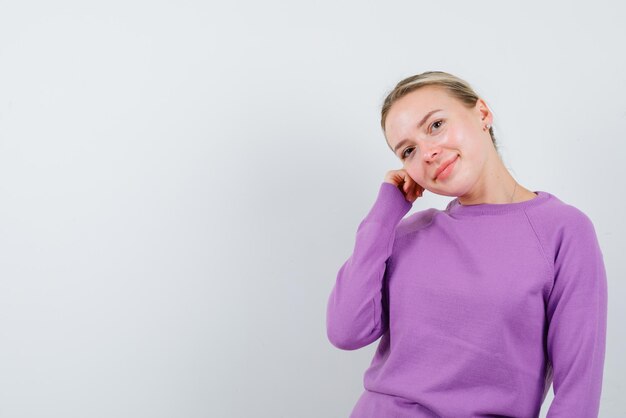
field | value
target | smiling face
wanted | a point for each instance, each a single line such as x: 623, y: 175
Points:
x: 429, y: 128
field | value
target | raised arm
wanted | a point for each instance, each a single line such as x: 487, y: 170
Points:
x: 577, y: 315
x: 355, y: 316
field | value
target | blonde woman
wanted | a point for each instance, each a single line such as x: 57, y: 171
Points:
x: 480, y: 306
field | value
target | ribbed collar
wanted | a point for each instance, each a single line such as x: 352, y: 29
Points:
x: 457, y: 209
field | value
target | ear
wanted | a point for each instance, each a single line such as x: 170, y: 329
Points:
x: 484, y: 112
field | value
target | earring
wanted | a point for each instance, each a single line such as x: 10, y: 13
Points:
x: 487, y: 127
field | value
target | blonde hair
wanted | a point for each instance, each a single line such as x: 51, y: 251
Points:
x: 457, y: 87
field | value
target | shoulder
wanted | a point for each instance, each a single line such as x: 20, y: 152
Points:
x: 558, y: 215
x: 416, y: 221
x: 557, y: 223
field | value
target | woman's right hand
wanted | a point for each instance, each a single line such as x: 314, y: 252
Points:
x: 408, y: 186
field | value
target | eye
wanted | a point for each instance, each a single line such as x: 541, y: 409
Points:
x: 404, y: 154
x: 436, y: 122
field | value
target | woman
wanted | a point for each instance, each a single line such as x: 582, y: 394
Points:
x: 480, y: 306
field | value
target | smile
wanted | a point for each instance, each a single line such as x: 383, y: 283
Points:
x: 445, y: 173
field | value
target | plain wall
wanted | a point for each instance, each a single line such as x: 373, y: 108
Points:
x: 180, y: 182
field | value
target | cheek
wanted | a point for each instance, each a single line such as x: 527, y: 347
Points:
x: 455, y: 137
x: 416, y: 172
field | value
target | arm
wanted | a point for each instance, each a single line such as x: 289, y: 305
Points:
x: 577, y: 314
x: 355, y: 316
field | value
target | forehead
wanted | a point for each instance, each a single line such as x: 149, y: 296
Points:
x: 420, y: 102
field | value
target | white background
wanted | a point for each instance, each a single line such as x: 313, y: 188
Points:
x: 180, y: 182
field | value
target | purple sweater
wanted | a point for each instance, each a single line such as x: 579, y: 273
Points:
x: 480, y: 309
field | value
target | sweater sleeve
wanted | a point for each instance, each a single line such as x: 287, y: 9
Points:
x: 577, y: 315
x: 355, y: 316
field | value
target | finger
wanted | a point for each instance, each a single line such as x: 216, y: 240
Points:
x: 408, y: 183
x: 417, y: 190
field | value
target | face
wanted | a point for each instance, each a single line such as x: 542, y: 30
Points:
x: 426, y: 141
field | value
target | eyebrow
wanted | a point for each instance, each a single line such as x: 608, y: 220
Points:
x: 419, y: 125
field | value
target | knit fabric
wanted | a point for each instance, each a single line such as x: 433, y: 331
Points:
x: 480, y: 308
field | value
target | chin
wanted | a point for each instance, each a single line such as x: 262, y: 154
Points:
x: 445, y: 193
x: 455, y: 187
x: 450, y: 192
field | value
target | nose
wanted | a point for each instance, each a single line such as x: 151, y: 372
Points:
x: 430, y: 152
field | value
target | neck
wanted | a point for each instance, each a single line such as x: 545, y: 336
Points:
x: 503, y: 196
x: 496, y: 186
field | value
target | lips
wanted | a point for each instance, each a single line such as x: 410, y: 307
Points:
x: 444, y: 165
